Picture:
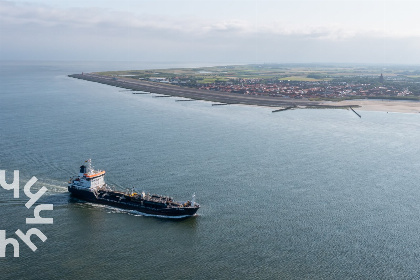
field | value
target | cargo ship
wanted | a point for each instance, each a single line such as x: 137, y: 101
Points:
x: 90, y: 186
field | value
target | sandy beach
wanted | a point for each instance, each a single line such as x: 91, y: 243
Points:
x: 381, y: 105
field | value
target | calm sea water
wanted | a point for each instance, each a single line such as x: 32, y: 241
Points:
x: 303, y: 194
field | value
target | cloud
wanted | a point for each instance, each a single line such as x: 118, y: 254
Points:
x: 105, y: 19
x: 34, y: 30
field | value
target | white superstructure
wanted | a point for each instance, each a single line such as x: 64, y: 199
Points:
x: 89, y: 178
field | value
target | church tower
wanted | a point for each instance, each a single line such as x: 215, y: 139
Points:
x: 381, y: 79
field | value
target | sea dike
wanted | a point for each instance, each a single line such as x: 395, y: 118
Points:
x: 214, y: 96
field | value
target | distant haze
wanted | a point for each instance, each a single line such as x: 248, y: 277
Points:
x: 386, y: 32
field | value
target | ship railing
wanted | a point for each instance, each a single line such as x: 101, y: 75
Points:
x: 95, y: 192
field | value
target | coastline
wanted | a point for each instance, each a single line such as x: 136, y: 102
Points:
x: 265, y: 101
x: 197, y: 94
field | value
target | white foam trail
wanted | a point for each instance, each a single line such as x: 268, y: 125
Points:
x: 54, y: 188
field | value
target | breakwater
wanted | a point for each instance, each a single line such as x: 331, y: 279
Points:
x: 283, y: 109
x: 355, y: 112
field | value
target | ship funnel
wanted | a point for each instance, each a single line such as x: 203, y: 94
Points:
x: 82, y: 170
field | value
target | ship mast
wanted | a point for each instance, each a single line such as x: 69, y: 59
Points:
x: 193, y: 200
x: 89, y: 166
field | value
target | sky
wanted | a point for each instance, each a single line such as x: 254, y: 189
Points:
x: 215, y: 31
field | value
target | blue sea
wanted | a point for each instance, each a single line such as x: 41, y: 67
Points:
x: 299, y: 194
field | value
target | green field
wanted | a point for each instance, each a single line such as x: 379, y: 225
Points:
x: 279, y: 72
